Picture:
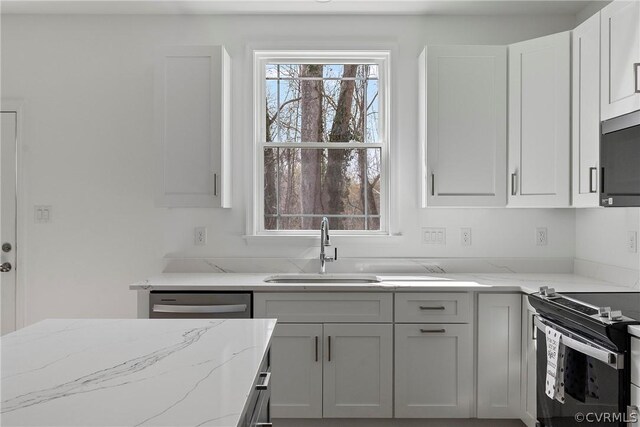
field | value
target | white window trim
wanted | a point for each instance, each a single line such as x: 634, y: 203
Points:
x: 260, y: 59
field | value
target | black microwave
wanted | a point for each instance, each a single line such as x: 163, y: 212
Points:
x: 620, y: 161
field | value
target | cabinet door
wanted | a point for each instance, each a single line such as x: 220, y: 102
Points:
x: 434, y: 369
x: 586, y: 112
x: 192, y: 108
x: 358, y: 370
x: 539, y: 122
x: 620, y: 56
x: 635, y: 406
x: 499, y: 342
x: 528, y: 365
x: 466, y: 129
x: 296, y: 364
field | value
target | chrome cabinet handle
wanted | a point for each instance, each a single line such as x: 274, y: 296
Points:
x: 433, y: 331
x: 329, y: 349
x: 514, y: 178
x: 265, y: 383
x: 228, y: 308
x: 5, y: 267
x: 426, y: 307
x: 593, y: 180
x: 316, y: 348
x: 433, y: 184
x: 636, y: 75
x: 215, y: 184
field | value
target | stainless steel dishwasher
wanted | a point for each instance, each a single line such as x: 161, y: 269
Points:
x: 200, y: 305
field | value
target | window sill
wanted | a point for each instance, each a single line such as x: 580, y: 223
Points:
x: 307, y: 240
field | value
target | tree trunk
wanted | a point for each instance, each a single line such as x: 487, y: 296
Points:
x: 270, y: 173
x: 336, y: 178
x: 311, y: 160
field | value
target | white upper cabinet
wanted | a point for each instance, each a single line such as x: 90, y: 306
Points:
x: 586, y: 112
x: 463, y: 102
x: 620, y: 58
x: 192, y: 124
x: 539, y: 122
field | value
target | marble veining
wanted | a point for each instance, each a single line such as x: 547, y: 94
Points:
x: 370, y: 265
x: 131, y: 372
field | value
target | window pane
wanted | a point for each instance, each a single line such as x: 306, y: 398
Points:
x: 303, y: 184
x: 322, y: 103
x: 288, y: 112
x: 373, y: 112
x: 272, y: 106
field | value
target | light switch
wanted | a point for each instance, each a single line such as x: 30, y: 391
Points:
x: 42, y: 214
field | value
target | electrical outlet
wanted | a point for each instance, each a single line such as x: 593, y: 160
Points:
x: 200, y: 236
x: 541, y: 236
x: 465, y: 236
x: 632, y: 242
x: 434, y: 236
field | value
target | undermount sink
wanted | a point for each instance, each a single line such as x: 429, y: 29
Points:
x: 323, y: 278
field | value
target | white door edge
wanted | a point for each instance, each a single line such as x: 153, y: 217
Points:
x: 17, y: 105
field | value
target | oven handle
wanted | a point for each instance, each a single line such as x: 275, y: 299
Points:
x: 584, y: 346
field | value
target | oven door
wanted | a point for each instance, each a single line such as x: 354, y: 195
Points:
x: 593, y: 382
x: 619, y: 160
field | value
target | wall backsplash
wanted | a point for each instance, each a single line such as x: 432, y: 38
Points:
x: 87, y: 82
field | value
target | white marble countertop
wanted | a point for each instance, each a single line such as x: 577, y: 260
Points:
x: 634, y: 330
x: 123, y: 372
x: 489, y: 282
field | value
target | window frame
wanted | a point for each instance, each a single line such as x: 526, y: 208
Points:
x: 261, y: 58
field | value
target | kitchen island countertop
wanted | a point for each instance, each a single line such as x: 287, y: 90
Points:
x: 132, y: 372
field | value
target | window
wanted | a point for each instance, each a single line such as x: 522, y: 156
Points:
x: 321, y: 142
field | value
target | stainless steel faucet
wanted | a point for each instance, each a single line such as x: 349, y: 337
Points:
x: 324, y: 241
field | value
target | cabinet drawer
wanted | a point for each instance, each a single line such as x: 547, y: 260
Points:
x: 324, y: 307
x: 635, y: 361
x: 433, y: 307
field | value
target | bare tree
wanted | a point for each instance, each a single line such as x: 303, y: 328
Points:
x: 270, y: 172
x: 341, y: 182
x: 311, y: 131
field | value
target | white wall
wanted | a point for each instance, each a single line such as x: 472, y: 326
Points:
x: 601, y: 236
x: 87, y: 83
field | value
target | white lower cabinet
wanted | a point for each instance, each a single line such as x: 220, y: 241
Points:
x: 332, y: 370
x: 296, y: 363
x: 499, y: 341
x: 434, y: 370
x: 358, y: 371
x: 635, y: 405
x: 528, y: 365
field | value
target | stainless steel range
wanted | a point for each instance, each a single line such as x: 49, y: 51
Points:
x: 594, y: 371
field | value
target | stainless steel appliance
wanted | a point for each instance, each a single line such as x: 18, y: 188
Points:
x: 596, y: 363
x: 620, y: 161
x: 205, y: 305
